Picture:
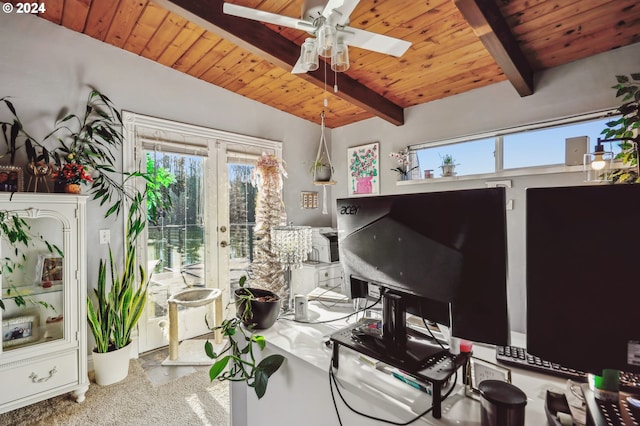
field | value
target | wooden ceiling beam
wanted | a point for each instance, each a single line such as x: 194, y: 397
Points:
x: 271, y: 46
x: 487, y: 22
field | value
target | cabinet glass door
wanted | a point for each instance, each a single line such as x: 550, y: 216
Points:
x: 32, y: 280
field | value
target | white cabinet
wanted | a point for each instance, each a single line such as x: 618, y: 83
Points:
x: 44, y: 332
x: 317, y: 274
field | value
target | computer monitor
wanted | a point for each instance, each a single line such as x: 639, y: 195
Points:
x: 583, y: 286
x: 428, y: 252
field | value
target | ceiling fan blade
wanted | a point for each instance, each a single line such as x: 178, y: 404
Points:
x: 343, y: 9
x: 373, y: 41
x: 297, y: 68
x: 267, y: 17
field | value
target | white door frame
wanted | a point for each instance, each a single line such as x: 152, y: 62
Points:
x: 201, y: 138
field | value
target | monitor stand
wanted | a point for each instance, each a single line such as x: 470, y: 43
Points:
x: 424, y: 358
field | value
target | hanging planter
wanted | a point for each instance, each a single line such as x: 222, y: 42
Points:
x: 322, y: 168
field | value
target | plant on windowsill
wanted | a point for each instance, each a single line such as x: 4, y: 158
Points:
x: 448, y: 165
x: 626, y: 128
x: 255, y: 309
x: 403, y: 169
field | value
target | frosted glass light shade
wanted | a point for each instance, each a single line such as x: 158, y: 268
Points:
x: 340, y: 57
x: 325, y: 40
x: 309, y: 55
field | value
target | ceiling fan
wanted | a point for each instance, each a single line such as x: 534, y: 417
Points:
x: 329, y: 24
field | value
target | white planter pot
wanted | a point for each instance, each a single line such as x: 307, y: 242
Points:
x: 448, y: 170
x: 111, y: 367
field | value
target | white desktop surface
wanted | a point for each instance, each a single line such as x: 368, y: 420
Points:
x: 299, y: 393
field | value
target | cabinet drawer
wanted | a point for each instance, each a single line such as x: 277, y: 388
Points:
x: 329, y: 274
x: 32, y: 378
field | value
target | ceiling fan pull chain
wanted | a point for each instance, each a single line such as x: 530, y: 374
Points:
x: 326, y: 101
x: 335, y: 81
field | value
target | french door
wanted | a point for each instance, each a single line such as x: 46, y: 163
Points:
x: 202, y: 238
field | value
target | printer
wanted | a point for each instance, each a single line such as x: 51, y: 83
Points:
x: 324, y: 243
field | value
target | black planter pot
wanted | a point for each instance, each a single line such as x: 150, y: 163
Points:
x: 263, y: 313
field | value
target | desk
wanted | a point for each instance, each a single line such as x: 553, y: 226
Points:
x: 299, y: 394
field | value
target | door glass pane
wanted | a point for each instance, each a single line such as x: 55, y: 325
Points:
x: 175, y: 245
x: 242, y: 203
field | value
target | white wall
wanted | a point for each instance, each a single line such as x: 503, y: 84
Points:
x: 579, y: 87
x: 45, y: 67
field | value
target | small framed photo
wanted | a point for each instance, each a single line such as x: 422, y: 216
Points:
x: 479, y: 370
x: 11, y: 179
x: 19, y: 330
x: 50, y: 270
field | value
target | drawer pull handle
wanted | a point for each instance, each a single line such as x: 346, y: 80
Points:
x: 34, y: 376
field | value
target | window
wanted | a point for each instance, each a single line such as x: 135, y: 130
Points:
x: 541, y: 144
x: 473, y: 157
x: 547, y: 146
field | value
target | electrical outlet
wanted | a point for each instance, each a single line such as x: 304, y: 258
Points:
x: 105, y: 236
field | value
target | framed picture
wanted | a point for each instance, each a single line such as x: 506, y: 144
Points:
x: 364, y: 169
x: 50, y: 270
x: 19, y: 330
x: 479, y: 370
x: 11, y: 179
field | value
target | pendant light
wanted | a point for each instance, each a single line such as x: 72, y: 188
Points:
x: 309, y: 55
x: 340, y: 57
x: 325, y: 40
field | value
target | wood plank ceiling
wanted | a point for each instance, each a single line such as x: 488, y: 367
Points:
x: 457, y: 46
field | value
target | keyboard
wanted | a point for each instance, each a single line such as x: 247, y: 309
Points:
x: 518, y: 357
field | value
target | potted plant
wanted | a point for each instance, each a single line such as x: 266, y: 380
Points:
x: 255, y: 309
x: 115, y: 313
x: 89, y: 142
x: 448, y: 165
x: 321, y: 171
x: 625, y: 128
x: 403, y: 168
x: 71, y: 176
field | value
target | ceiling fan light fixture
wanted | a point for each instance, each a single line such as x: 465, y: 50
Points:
x: 309, y: 55
x: 340, y: 57
x: 325, y: 40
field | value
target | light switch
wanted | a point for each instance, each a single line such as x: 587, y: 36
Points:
x: 105, y: 236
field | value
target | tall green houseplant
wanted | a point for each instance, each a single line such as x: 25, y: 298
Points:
x: 626, y: 128
x: 117, y: 310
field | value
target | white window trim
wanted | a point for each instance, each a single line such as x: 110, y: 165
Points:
x: 498, y: 136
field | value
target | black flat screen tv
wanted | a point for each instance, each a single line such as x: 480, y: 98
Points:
x: 582, y: 276
x: 431, y: 252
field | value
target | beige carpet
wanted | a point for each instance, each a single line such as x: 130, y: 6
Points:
x: 188, y: 400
